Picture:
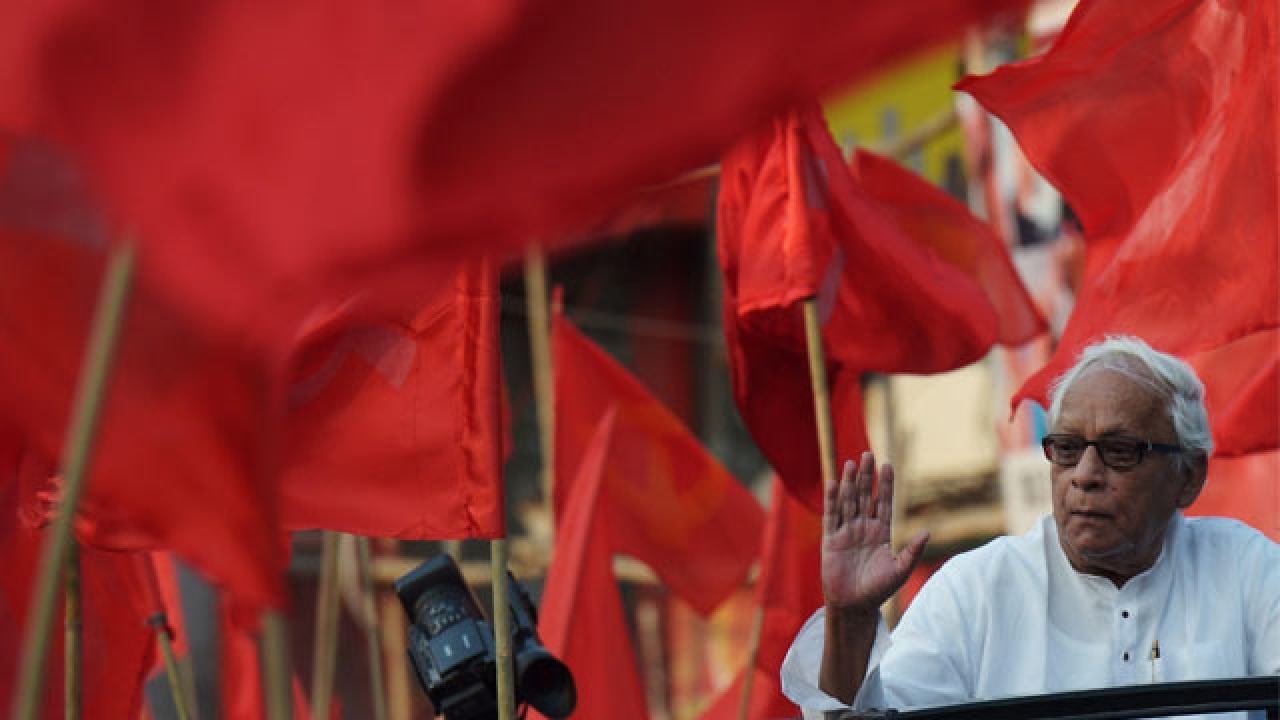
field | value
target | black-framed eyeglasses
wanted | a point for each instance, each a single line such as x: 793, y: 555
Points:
x: 1116, y: 451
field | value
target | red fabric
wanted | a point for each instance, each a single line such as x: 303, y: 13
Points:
x: 182, y: 456
x: 1242, y: 392
x: 790, y: 589
x: 794, y: 223
x: 395, y: 425
x: 938, y: 221
x: 118, y: 646
x: 1244, y: 488
x: 1157, y: 121
x: 581, y: 619
x: 668, y: 501
x: 267, y: 155
x: 243, y: 694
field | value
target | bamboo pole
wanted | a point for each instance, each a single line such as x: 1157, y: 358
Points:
x: 535, y: 293
x: 72, y: 650
x: 325, y: 659
x: 176, y: 687
x: 86, y: 412
x: 502, y: 629
x: 275, y: 666
x: 821, y: 393
x: 368, y: 596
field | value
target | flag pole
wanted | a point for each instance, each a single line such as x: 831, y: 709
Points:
x: 72, y: 651
x: 369, y: 604
x: 275, y: 666
x: 326, y: 633
x: 535, y: 294
x: 161, y: 623
x: 821, y: 393
x: 502, y: 629
x: 86, y: 412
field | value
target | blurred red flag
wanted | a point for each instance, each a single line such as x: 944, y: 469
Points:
x: 268, y: 156
x: 794, y: 223
x: 182, y: 456
x: 117, y: 645
x: 581, y: 619
x: 395, y: 425
x: 940, y: 222
x: 1245, y: 488
x: 668, y: 501
x: 1157, y: 122
x: 789, y: 589
x: 240, y: 665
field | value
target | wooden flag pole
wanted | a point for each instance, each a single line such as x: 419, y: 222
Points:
x: 326, y: 633
x: 502, y: 629
x: 176, y: 688
x: 535, y: 296
x: 72, y: 649
x: 369, y: 603
x: 821, y: 393
x: 85, y: 414
x: 275, y: 666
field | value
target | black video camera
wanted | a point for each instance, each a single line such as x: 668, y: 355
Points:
x: 451, y: 646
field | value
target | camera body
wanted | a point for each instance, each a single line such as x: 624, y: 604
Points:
x: 451, y: 646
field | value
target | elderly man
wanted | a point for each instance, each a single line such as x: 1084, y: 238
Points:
x: 1117, y: 587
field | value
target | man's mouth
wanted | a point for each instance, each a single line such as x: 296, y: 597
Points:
x: 1093, y: 514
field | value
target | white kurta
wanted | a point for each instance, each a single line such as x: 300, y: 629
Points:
x: 1014, y: 618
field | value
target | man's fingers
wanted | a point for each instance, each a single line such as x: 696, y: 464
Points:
x: 884, y: 494
x: 848, y: 500
x: 865, y: 480
x: 831, y: 505
x: 910, y: 555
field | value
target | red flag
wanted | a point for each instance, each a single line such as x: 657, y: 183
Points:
x: 937, y: 220
x: 395, y: 427
x: 581, y: 620
x: 1245, y: 488
x: 670, y: 503
x: 268, y: 156
x: 241, y: 672
x: 116, y: 643
x: 794, y: 223
x: 182, y: 458
x: 789, y: 589
x: 1157, y: 122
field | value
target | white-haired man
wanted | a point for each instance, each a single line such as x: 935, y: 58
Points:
x: 1116, y: 587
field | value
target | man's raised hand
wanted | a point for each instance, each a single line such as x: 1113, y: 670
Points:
x: 860, y: 571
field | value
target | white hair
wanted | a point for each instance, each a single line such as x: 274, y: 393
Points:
x: 1167, y: 377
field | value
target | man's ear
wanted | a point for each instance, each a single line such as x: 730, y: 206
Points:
x: 1193, y: 479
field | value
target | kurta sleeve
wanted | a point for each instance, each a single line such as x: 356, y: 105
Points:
x: 802, y: 666
x: 926, y: 661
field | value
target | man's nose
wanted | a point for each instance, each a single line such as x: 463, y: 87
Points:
x: 1090, y: 473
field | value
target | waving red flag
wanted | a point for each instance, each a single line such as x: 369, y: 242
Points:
x: 581, y: 619
x: 395, y: 425
x: 117, y: 644
x: 1157, y: 122
x: 940, y: 222
x: 668, y: 501
x: 182, y: 457
x: 794, y: 223
x: 274, y: 158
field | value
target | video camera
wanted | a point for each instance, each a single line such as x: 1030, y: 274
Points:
x: 451, y: 646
